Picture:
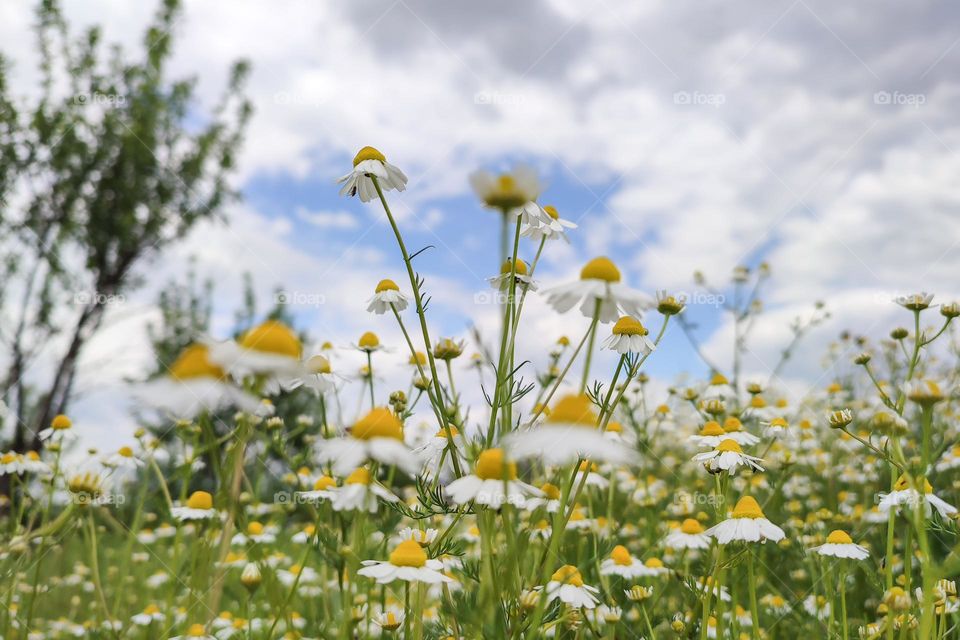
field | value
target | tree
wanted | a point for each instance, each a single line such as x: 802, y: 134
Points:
x: 101, y: 170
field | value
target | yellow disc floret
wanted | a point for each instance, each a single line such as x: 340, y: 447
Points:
x: 507, y: 267
x: 323, y: 483
x: 552, y: 211
x: 60, y: 423
x: 379, y: 423
x: 386, y: 285
x: 360, y: 475
x: 747, y: 507
x: 629, y: 326
x: 368, y: 153
x: 621, y: 556
x: 491, y: 466
x: 573, y: 409
x: 729, y: 445
x: 369, y: 340
x: 691, y: 527
x: 601, y: 268
x: 712, y: 428
x: 839, y: 536
x: 194, y: 362
x: 200, y: 500
x: 272, y: 337
x: 568, y: 574
x: 408, y: 554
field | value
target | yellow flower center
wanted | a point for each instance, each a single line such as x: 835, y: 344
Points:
x: 272, y: 337
x: 568, y: 574
x: 359, y: 476
x: 654, y: 563
x: 8, y: 458
x: 839, y: 537
x: 200, y: 500
x: 490, y: 466
x: 379, y: 423
x: 551, y: 491
x: 323, y: 483
x: 615, y: 427
x: 386, y: 285
x: 254, y: 529
x: 903, y: 484
x: 729, y: 445
x: 601, y: 268
x: 718, y: 379
x: 778, y: 422
x: 747, y: 507
x: 732, y: 424
x: 574, y: 409
x: 151, y: 609
x: 712, y: 428
x: 629, y: 326
x: 126, y: 452
x: 757, y: 402
x: 442, y: 433
x: 368, y: 153
x: 61, y: 422
x: 196, y: 631
x: 369, y: 340
x: 552, y: 211
x: 507, y: 267
x: 691, y: 527
x: 621, y: 556
x: 408, y: 554
x: 193, y: 362
x: 33, y: 455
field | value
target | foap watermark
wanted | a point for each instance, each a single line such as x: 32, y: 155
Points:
x: 899, y: 99
x: 300, y: 298
x: 96, y: 298
x: 499, y: 99
x: 86, y: 499
x: 697, y: 500
x: 100, y: 99
x: 703, y: 298
x: 495, y: 297
x: 699, y: 98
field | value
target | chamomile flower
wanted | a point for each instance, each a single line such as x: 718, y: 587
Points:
x: 629, y: 336
x: 817, y: 606
x: 550, y: 499
x: 492, y: 483
x: 123, y: 459
x: 689, y: 535
x: 32, y: 463
x: 949, y: 460
x: 317, y: 374
x: 360, y: 492
x: 436, y: 451
x: 408, y: 562
x: 774, y: 427
x: 599, y: 290
x: 367, y: 164
x: 423, y: 537
x: 11, y: 463
x: 569, y: 433
x: 622, y: 563
x: 377, y: 436
x: 746, y: 524
x: 904, y: 494
x: 195, y: 632
x: 199, y: 506
x: 61, y: 428
x: 839, y: 544
x: 520, y: 274
x: 727, y: 456
x: 719, y: 388
x: 507, y: 191
x: 734, y: 430
x: 544, y: 223
x: 255, y: 533
x: 271, y: 348
x: 711, y: 435
x: 915, y: 301
x: 148, y: 616
x: 369, y: 342
x: 387, y: 297
x: 566, y: 584
x: 323, y: 489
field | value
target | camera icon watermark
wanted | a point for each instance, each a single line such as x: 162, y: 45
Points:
x: 300, y: 298
x: 899, y: 98
x: 95, y: 298
x: 699, y: 98
x: 100, y: 99
x: 499, y: 99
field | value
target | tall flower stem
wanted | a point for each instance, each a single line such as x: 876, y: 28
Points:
x: 373, y: 402
x: 754, y: 611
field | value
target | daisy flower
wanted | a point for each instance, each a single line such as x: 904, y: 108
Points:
x: 507, y: 191
x: 621, y: 563
x: 199, y: 507
x: 256, y: 533
x: 60, y: 429
x: 271, y: 348
x: 493, y: 482
x: 195, y: 632
x: 376, y: 436
x: 436, y: 450
x: 545, y: 224
x: 734, y: 430
x: 711, y: 435
x: 727, y: 456
x: 360, y: 491
x: 317, y: 375
x: 32, y: 463
x: 593, y: 479
x: 408, y: 562
x: 369, y: 342
x: 323, y: 489
x: 839, y: 544
x: 599, y: 285
x: 148, y: 616
x: 386, y: 296
x: 11, y: 463
x: 550, y: 499
x: 566, y: 584
x: 568, y: 434
x: 719, y: 388
x: 707, y: 583
x: 369, y: 163
x: 774, y: 427
x: 903, y: 493
x: 817, y: 606
x: 747, y: 523
x: 949, y: 460
x: 629, y: 336
x: 689, y: 535
x: 915, y: 301
x: 123, y: 459
x: 520, y: 274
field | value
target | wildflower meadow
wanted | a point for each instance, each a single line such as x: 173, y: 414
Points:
x: 499, y: 491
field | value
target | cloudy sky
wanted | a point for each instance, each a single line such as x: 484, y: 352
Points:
x: 819, y: 136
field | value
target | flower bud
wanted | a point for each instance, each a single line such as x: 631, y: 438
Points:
x: 251, y: 578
